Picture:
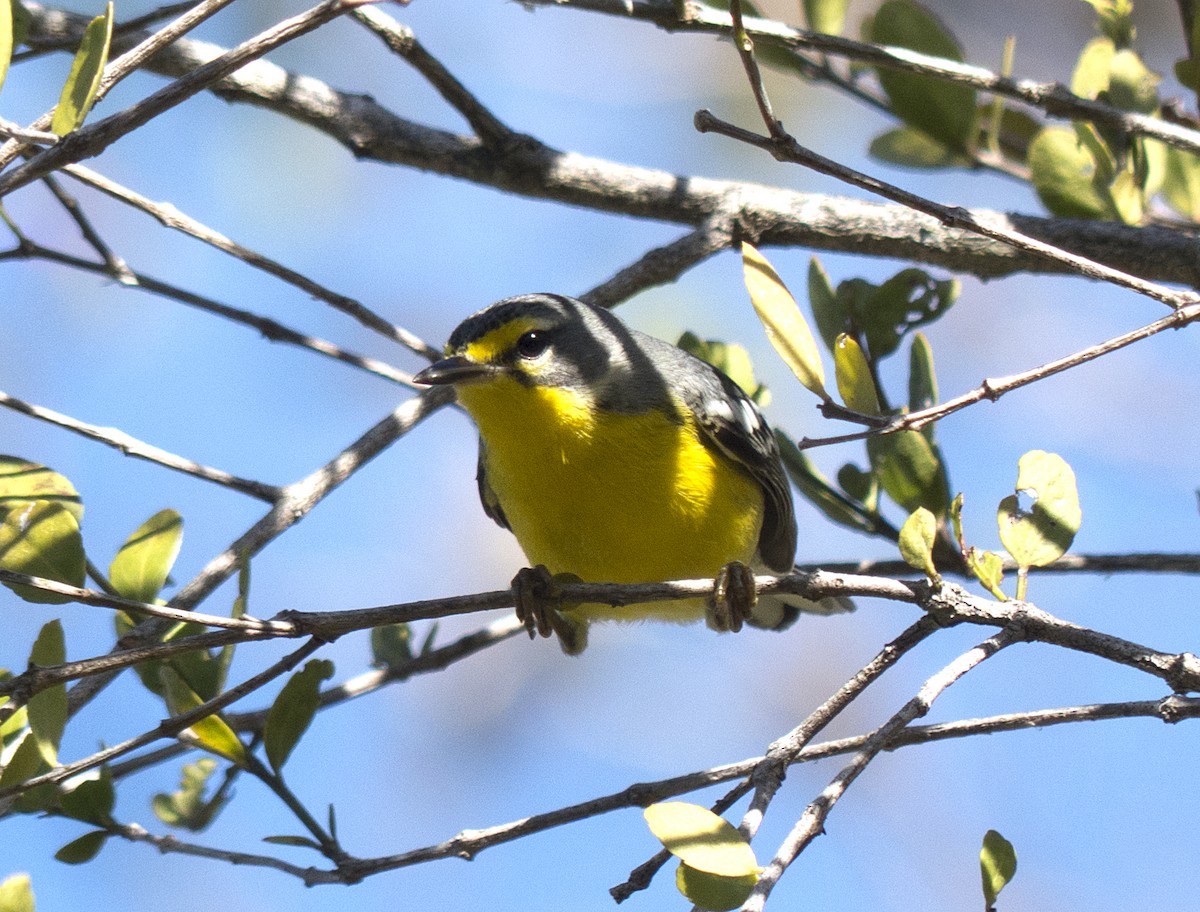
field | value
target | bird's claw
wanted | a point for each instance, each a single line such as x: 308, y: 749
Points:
x: 733, y: 599
x: 538, y: 599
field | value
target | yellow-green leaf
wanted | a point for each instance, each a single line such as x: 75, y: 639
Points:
x: 1132, y: 86
x: 1064, y: 175
x: 79, y: 92
x: 48, y: 708
x: 16, y: 894
x: 1042, y: 534
x: 997, y: 865
x: 917, y: 536
x: 785, y: 325
x: 212, y: 732
x: 712, y: 891
x: 1181, y: 188
x: 140, y: 569
x: 1092, y: 69
x: 828, y: 16
x: 23, y: 482
x: 854, y: 380
x: 701, y: 839
x: 24, y: 762
x: 988, y: 567
x: 188, y: 808
x: 42, y: 539
x: 292, y: 711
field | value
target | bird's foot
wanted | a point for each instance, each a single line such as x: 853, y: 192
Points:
x: 733, y: 599
x: 540, y: 608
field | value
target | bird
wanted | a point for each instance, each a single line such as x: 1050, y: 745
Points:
x: 614, y: 456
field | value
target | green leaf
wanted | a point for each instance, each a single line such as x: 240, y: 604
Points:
x: 910, y: 471
x: 83, y: 849
x: 909, y: 299
x: 1064, y: 175
x: 817, y: 490
x: 292, y: 711
x: 188, y: 808
x: 997, y: 865
x: 1114, y: 18
x: 391, y: 645
x: 23, y: 482
x: 922, y: 380
x: 944, y: 110
x: 302, y: 842
x: 1044, y: 533
x: 913, y: 148
x: 828, y: 16
x: 1132, y: 86
x: 712, y: 891
x: 1091, y: 74
x: 829, y: 310
x: 785, y: 325
x: 48, y: 708
x: 701, y: 839
x: 6, y: 38
x: 16, y: 894
x: 917, y: 536
x: 730, y: 359
x: 91, y: 800
x: 140, y: 569
x: 862, y: 486
x: 79, y: 92
x: 988, y: 567
x: 854, y: 380
x: 212, y: 733
x: 42, y: 539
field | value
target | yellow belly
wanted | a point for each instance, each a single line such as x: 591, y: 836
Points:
x: 613, y: 498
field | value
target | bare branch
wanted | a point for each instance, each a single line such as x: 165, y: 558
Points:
x: 1051, y: 97
x: 169, y: 216
x: 774, y: 215
x: 131, y: 446
x: 812, y: 821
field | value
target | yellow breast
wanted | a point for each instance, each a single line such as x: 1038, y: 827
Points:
x: 610, y: 497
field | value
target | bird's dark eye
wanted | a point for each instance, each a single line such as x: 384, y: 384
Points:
x: 533, y: 343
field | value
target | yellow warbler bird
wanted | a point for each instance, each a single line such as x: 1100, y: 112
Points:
x: 616, y: 457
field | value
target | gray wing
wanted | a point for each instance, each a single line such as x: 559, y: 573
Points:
x: 487, y: 497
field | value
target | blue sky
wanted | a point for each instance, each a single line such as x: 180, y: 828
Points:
x: 1100, y: 815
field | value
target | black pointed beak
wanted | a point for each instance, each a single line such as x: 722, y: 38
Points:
x: 455, y: 369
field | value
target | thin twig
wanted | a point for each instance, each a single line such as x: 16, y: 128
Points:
x: 94, y: 139
x: 786, y: 148
x: 131, y: 60
x: 171, y: 217
x: 1051, y: 97
x: 812, y: 821
x: 270, y: 329
x: 995, y: 387
x: 169, y: 728
x: 131, y: 446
